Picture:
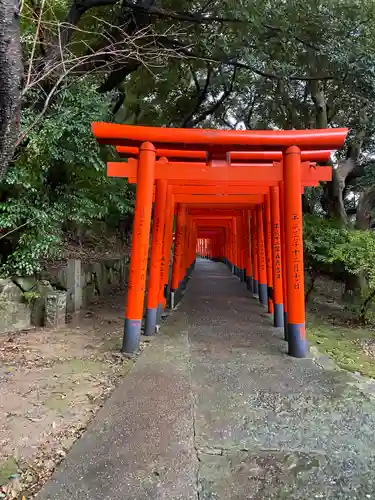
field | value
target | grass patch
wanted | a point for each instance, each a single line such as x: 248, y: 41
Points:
x: 7, y: 468
x: 342, y: 344
x: 58, y: 402
x: 112, y: 344
x: 78, y: 366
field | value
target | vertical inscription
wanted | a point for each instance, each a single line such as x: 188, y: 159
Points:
x: 277, y: 246
x: 296, y: 251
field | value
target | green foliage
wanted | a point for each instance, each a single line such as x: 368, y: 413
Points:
x: 59, y: 180
x: 321, y: 237
x: 30, y: 297
x: 350, y: 250
x: 357, y: 252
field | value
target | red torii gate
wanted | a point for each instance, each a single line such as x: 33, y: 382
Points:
x: 266, y: 162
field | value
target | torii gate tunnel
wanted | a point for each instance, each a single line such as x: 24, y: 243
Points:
x: 235, y: 197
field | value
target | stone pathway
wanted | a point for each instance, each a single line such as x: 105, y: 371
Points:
x: 214, y: 409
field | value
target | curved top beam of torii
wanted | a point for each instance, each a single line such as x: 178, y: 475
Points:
x: 239, y: 156
x: 218, y: 140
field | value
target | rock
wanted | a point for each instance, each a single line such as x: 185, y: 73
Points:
x: 57, y: 276
x: 11, y: 293
x: 99, y: 277
x: 4, y: 282
x: 55, y: 310
x: 62, y: 277
x: 14, y: 311
x: 88, y: 293
x: 109, y: 263
x: 110, y: 275
x: 43, y: 288
x: 43, y: 285
x: 27, y: 283
x: 74, y: 285
x: 14, y: 315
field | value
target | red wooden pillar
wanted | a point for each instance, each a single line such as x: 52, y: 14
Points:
x: 254, y: 252
x: 168, y: 236
x: 283, y: 269
x: 268, y: 241
x: 223, y: 251
x: 188, y: 252
x: 184, y: 252
x: 278, y: 315
x: 262, y: 264
x: 226, y: 246
x: 192, y: 245
x: 178, y: 252
x: 249, y: 266
x: 156, y: 257
x: 244, y: 238
x: 240, y: 265
x: 140, y: 248
x: 230, y: 245
x: 294, y: 253
x: 234, y: 245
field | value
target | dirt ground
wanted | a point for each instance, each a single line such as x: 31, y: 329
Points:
x: 52, y: 383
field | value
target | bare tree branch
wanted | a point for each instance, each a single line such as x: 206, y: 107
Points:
x: 36, y: 39
x: 68, y: 27
x: 194, y: 75
x: 196, y: 18
x: 211, y: 110
x: 188, y: 52
x: 250, y: 112
x: 139, y: 47
x: 296, y: 37
x: 201, y: 97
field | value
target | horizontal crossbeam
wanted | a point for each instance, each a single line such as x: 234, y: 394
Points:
x: 266, y: 175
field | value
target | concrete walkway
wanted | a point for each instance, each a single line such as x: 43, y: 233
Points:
x: 215, y: 409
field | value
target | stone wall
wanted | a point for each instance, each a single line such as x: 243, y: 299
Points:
x: 23, y: 299
x: 92, y: 279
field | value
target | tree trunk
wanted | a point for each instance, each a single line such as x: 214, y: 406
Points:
x: 318, y: 97
x: 334, y: 191
x: 333, y: 195
x: 356, y: 285
x: 364, y: 208
x: 10, y: 81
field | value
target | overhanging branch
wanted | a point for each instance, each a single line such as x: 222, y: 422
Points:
x: 196, y: 18
x: 201, y: 97
x: 183, y: 49
x: 211, y: 110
